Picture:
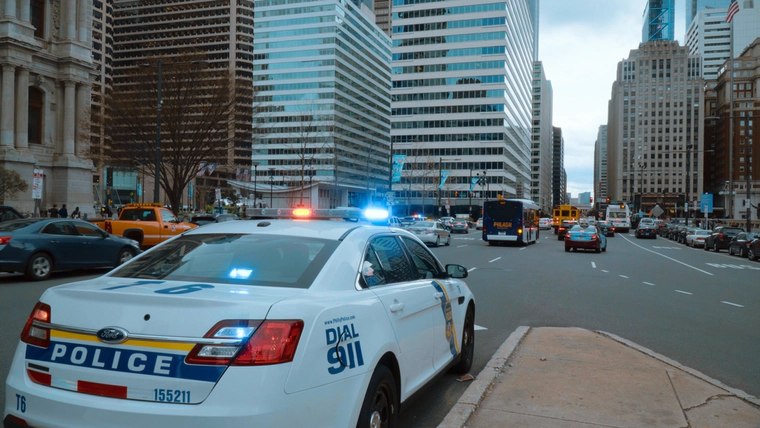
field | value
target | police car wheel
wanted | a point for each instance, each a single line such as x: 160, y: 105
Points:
x: 448, y: 241
x: 40, y: 267
x: 381, y: 404
x: 124, y: 255
x: 468, y: 344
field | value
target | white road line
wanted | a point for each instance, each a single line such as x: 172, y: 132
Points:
x: 732, y: 304
x: 684, y: 292
x: 470, y: 270
x: 460, y: 246
x: 669, y: 258
x: 647, y: 283
x: 523, y: 248
x: 605, y: 271
x: 593, y: 265
x: 491, y: 261
x: 477, y: 327
x: 623, y: 276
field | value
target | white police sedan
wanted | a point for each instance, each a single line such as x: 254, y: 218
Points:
x: 267, y: 322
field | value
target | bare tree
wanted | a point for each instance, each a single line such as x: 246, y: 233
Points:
x: 196, y: 109
x: 11, y: 183
x: 420, y: 174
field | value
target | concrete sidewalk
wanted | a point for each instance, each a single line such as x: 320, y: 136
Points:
x: 575, y: 378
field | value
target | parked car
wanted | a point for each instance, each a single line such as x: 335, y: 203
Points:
x: 697, y: 239
x: 606, y: 227
x: 739, y: 244
x: 753, y: 252
x: 683, y: 233
x: 585, y: 237
x: 720, y: 237
x: 431, y: 232
x: 459, y: 225
x: 40, y: 246
x: 563, y: 227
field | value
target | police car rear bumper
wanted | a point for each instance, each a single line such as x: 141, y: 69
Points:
x: 238, y: 399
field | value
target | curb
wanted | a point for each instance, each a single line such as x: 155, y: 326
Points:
x: 648, y: 352
x: 474, y: 394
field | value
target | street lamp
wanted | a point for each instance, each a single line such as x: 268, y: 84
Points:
x: 440, y: 181
x: 255, y: 165
x: 271, y: 186
x: 642, y: 167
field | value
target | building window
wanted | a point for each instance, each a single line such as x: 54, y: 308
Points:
x: 37, y: 12
x: 35, y: 116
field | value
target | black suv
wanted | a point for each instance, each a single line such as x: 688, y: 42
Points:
x: 721, y: 238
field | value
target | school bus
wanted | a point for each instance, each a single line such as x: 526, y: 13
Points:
x: 564, y: 212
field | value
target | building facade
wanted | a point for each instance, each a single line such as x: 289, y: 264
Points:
x: 708, y: 36
x: 659, y: 20
x: 462, y: 75
x: 322, y: 79
x: 600, y: 164
x: 559, y: 176
x: 541, y: 140
x: 47, y: 74
x: 693, y: 7
x: 655, y: 141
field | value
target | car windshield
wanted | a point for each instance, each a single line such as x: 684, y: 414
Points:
x: 702, y: 232
x: 424, y: 224
x: 245, y: 259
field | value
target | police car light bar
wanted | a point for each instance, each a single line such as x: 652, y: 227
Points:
x: 306, y: 213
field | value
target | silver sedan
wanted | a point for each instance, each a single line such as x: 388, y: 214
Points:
x: 431, y: 232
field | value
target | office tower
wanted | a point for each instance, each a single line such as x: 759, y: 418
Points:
x: 541, y: 140
x: 584, y: 198
x: 383, y: 15
x: 559, y: 175
x: 600, y: 164
x: 102, y: 87
x: 735, y: 162
x: 462, y: 102
x: 533, y: 6
x: 659, y: 20
x: 221, y: 33
x: 709, y: 37
x: 322, y: 80
x: 692, y: 7
x: 655, y: 141
x: 46, y: 82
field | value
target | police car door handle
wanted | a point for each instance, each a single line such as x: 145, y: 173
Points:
x: 397, y: 307
x: 437, y: 295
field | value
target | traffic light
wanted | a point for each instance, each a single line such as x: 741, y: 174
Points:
x: 608, y: 200
x: 591, y: 199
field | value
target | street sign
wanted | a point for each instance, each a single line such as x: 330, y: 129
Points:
x: 657, y: 211
x: 706, y: 203
x: 37, y: 184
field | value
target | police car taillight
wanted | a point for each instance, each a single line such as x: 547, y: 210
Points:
x: 268, y: 342
x: 33, y: 333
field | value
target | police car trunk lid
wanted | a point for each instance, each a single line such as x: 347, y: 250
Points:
x: 163, y: 322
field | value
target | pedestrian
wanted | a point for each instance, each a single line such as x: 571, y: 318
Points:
x: 53, y: 212
x: 63, y: 212
x: 76, y: 213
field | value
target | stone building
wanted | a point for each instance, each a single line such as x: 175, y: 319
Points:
x: 45, y: 53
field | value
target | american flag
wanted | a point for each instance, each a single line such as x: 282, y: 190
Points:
x: 733, y: 9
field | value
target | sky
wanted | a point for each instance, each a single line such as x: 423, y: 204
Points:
x: 580, y: 45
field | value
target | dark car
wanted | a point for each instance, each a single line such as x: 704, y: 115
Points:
x: 682, y: 233
x: 721, y: 237
x: 740, y: 243
x: 9, y: 213
x: 563, y: 228
x: 606, y: 227
x: 753, y: 251
x: 646, y: 230
x: 39, y: 246
x: 459, y: 226
x: 200, y: 220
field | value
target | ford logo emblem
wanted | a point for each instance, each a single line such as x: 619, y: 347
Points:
x: 112, y: 335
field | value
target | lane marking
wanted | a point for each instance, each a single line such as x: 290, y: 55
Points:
x: 623, y: 276
x: 477, y: 327
x: 593, y: 265
x: 472, y: 269
x: 732, y: 304
x: 648, y: 283
x: 491, y: 261
x: 460, y: 246
x: 669, y: 258
x: 684, y: 292
x: 523, y: 248
x: 605, y: 271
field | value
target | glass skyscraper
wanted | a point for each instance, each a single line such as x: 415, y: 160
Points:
x: 659, y: 20
x: 322, y: 87
x: 694, y: 6
x: 462, y: 79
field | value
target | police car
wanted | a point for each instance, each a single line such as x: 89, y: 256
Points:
x: 267, y: 322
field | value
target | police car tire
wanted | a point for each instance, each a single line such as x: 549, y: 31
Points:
x: 40, y: 267
x: 381, y: 403
x: 448, y: 241
x: 468, y: 344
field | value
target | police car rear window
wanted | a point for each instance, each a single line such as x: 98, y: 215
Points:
x: 244, y: 259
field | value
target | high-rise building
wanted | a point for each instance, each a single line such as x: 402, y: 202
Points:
x: 655, y: 147
x: 533, y: 6
x: 709, y: 37
x: 541, y: 140
x: 600, y: 164
x: 746, y: 26
x: 462, y: 101
x: 47, y: 74
x: 322, y: 79
x: 559, y: 175
x: 692, y: 7
x: 222, y: 34
x: 383, y: 15
x: 584, y: 198
x: 659, y: 20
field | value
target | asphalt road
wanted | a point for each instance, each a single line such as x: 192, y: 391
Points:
x: 701, y: 309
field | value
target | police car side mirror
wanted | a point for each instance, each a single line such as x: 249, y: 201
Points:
x: 456, y: 271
